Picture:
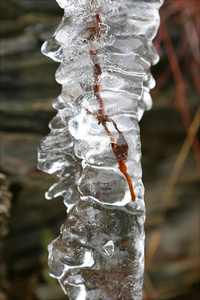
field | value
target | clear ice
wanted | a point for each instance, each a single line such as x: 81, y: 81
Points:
x: 105, y: 52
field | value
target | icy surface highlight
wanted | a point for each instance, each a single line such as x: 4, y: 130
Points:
x: 105, y: 52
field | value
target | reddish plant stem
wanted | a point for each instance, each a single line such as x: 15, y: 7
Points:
x: 173, y: 61
x: 120, y: 148
x: 164, y: 75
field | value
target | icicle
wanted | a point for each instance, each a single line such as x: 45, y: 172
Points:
x: 105, y: 49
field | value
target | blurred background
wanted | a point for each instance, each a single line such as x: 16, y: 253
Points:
x: 169, y: 134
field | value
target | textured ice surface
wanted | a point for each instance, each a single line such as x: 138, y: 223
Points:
x: 105, y: 50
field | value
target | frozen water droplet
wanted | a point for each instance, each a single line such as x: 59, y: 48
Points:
x: 109, y: 248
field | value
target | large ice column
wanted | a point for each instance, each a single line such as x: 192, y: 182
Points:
x: 105, y: 49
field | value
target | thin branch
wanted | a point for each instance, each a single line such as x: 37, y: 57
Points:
x: 181, y: 98
x: 180, y: 160
x: 155, y: 238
